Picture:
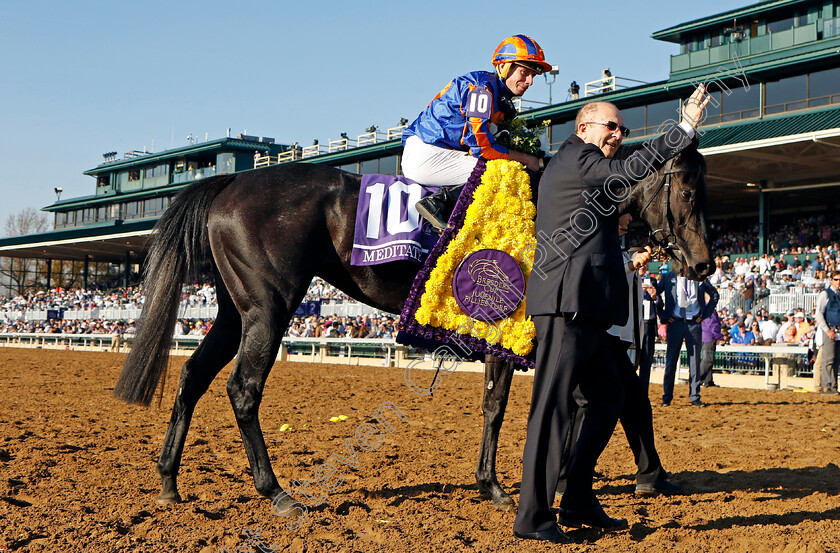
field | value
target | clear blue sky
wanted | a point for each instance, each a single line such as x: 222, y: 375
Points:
x: 80, y: 78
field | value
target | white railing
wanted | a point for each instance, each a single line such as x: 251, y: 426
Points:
x: 774, y: 303
x: 607, y: 84
x: 338, y: 145
x: 108, y: 314
x: 773, y: 379
x: 282, y: 157
x: 781, y: 303
x: 311, y: 151
x: 386, y: 352
x: 367, y: 138
x: 347, y: 309
x: 396, y: 132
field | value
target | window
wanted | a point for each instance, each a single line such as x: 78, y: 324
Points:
x: 350, y: 167
x: 102, y: 213
x: 157, y: 171
x: 824, y: 87
x: 60, y: 219
x: 712, y: 112
x: 634, y: 119
x: 740, y: 104
x: 388, y: 166
x: 133, y: 175
x: 225, y: 163
x: 780, y: 25
x: 155, y: 206
x: 660, y: 112
x: 785, y: 94
x: 131, y: 210
x: 559, y: 132
x: 369, y: 167
x: 715, y: 40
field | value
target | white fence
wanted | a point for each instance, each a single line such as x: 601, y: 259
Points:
x: 774, y: 303
x: 108, y: 314
x: 729, y: 298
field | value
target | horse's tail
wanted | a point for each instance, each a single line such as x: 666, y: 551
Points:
x: 179, y: 246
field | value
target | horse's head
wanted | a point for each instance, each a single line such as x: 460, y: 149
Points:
x: 673, y: 203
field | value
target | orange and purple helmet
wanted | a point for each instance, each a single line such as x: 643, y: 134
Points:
x: 523, y: 50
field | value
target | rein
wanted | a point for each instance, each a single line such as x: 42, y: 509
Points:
x: 663, y: 241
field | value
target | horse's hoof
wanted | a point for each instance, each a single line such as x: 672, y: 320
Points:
x: 504, y: 503
x: 281, y: 503
x: 168, y: 499
x: 494, y: 493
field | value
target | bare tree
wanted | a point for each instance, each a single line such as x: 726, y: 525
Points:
x: 28, y: 221
x: 20, y: 273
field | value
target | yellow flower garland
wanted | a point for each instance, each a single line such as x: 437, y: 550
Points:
x: 501, y: 216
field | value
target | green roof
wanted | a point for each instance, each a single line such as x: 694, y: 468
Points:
x: 675, y: 34
x: 99, y: 231
x: 773, y: 126
x: 93, y: 201
x: 219, y: 144
x: 676, y: 88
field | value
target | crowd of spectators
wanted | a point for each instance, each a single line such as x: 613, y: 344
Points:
x: 763, y: 329
x: 361, y: 326
x: 800, y: 235
x: 74, y: 298
x: 13, y: 310
x: 815, y: 242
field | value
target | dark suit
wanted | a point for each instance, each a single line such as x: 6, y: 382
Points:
x: 681, y: 330
x: 576, y: 290
x: 637, y: 416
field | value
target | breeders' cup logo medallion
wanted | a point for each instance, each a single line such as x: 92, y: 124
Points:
x: 488, y: 285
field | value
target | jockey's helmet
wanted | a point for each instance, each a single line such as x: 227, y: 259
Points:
x: 519, y: 50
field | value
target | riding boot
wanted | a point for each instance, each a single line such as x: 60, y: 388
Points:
x: 436, y: 208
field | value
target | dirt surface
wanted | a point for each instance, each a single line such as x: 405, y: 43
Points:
x: 78, y: 467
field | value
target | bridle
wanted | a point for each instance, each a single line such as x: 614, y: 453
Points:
x: 663, y: 240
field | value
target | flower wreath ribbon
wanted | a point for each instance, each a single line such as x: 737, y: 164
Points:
x: 494, y: 211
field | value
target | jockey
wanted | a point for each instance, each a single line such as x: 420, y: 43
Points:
x: 442, y: 146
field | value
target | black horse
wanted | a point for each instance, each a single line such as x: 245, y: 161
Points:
x: 268, y: 232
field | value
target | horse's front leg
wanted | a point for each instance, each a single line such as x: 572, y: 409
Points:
x: 497, y: 378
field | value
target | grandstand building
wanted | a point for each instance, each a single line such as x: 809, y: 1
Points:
x: 771, y: 138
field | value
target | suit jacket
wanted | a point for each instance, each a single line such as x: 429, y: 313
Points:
x: 668, y: 299
x: 577, y: 261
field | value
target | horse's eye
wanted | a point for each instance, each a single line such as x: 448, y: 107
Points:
x: 686, y: 194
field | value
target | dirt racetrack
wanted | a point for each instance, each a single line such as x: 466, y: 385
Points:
x: 78, y: 467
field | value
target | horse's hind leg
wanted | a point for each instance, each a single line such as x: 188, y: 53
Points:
x: 214, y: 352
x: 497, y: 378
x: 261, y: 338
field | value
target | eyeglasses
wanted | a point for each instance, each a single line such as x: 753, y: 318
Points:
x: 611, y: 126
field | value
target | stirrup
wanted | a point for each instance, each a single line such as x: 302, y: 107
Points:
x: 432, y: 217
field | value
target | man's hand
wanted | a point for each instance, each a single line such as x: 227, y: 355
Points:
x: 642, y: 257
x: 831, y: 334
x: 692, y: 111
x: 529, y: 161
